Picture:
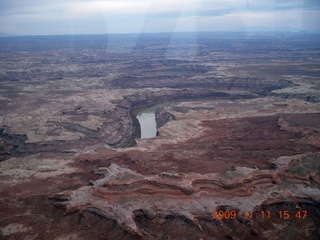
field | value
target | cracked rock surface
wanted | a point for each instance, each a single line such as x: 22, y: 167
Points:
x: 238, y: 132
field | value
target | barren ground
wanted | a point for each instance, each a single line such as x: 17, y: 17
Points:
x: 243, y: 135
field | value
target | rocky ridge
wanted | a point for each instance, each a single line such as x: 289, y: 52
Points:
x: 122, y: 194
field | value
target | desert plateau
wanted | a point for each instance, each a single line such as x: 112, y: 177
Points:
x: 236, y: 154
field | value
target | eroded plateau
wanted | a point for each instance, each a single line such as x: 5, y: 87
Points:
x: 238, y: 129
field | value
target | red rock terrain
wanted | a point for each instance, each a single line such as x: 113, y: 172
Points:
x: 240, y: 166
x: 236, y: 156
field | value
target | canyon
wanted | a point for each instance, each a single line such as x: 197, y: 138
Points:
x: 238, y: 130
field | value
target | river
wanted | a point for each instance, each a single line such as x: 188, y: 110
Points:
x: 147, y: 120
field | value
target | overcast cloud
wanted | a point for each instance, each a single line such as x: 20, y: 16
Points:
x: 42, y: 17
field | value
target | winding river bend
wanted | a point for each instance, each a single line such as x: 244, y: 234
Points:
x: 147, y: 120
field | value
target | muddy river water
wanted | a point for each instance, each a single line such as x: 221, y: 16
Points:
x: 147, y: 120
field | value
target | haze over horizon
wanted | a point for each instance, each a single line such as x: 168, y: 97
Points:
x: 35, y: 17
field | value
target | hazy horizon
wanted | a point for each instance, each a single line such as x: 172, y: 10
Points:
x: 76, y: 17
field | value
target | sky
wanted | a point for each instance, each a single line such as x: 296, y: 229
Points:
x: 52, y: 17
